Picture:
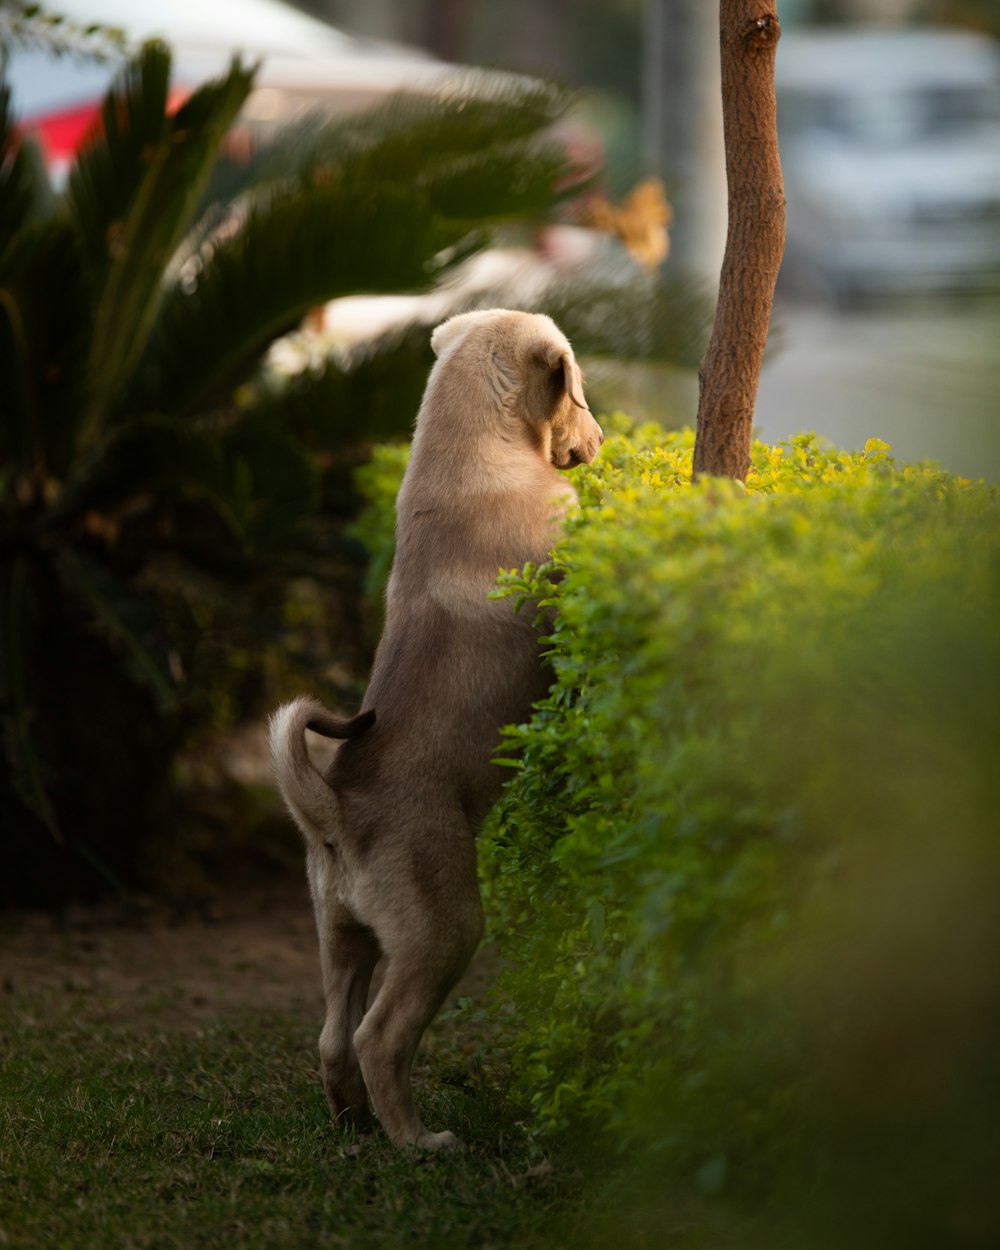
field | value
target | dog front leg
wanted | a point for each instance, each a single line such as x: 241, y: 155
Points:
x: 347, y: 972
x: 348, y: 955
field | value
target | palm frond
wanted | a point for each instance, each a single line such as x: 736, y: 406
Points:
x: 27, y: 768
x: 282, y: 480
x: 169, y: 180
x: 44, y: 313
x: 131, y: 622
x: 257, y: 479
x: 34, y: 26
x: 110, y: 167
x: 406, y: 140
x: 481, y: 148
x: 368, y: 395
x: 502, y: 182
x: 293, y: 252
x: 17, y: 427
x: 25, y: 192
x: 407, y: 135
x: 152, y: 453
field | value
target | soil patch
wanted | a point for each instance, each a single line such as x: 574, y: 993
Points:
x: 185, y: 968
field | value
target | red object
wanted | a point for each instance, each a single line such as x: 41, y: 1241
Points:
x: 61, y: 133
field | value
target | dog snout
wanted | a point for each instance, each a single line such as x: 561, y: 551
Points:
x: 584, y: 450
x: 591, y: 443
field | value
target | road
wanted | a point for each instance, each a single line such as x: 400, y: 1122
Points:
x: 925, y: 378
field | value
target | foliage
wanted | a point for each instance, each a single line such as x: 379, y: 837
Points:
x: 36, y: 26
x: 154, y: 499
x: 745, y: 871
x: 378, y: 482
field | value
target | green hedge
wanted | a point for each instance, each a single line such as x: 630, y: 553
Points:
x: 746, y: 871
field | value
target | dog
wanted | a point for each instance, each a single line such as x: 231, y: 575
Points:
x: 390, y: 827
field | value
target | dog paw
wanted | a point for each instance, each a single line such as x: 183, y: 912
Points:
x: 438, y: 1142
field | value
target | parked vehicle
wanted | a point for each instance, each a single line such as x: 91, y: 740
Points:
x: 890, y: 143
x: 305, y: 65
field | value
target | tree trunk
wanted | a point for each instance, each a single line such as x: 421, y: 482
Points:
x: 730, y: 370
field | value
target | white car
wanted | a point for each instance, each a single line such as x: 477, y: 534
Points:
x: 890, y: 147
x: 305, y: 64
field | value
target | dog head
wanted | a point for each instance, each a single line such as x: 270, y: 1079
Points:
x: 531, y: 375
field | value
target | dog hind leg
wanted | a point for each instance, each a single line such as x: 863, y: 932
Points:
x: 418, y: 978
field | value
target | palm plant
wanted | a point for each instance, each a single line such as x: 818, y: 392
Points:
x: 142, y: 487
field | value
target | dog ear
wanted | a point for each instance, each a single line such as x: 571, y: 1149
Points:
x: 451, y: 331
x: 445, y: 333
x: 556, y: 357
x: 571, y: 376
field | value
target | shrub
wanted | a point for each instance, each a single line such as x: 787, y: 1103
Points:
x: 745, y: 870
x: 741, y: 866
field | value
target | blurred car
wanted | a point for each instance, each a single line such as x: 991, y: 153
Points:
x: 305, y: 65
x: 890, y: 146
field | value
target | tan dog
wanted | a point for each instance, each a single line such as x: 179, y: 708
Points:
x: 390, y: 830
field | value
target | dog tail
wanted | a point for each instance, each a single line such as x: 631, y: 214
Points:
x: 310, y: 800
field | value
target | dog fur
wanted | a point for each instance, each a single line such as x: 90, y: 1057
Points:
x: 390, y: 828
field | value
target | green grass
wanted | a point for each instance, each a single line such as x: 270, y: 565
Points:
x: 118, y: 1133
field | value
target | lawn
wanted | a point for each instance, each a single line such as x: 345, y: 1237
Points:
x: 159, y: 1089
